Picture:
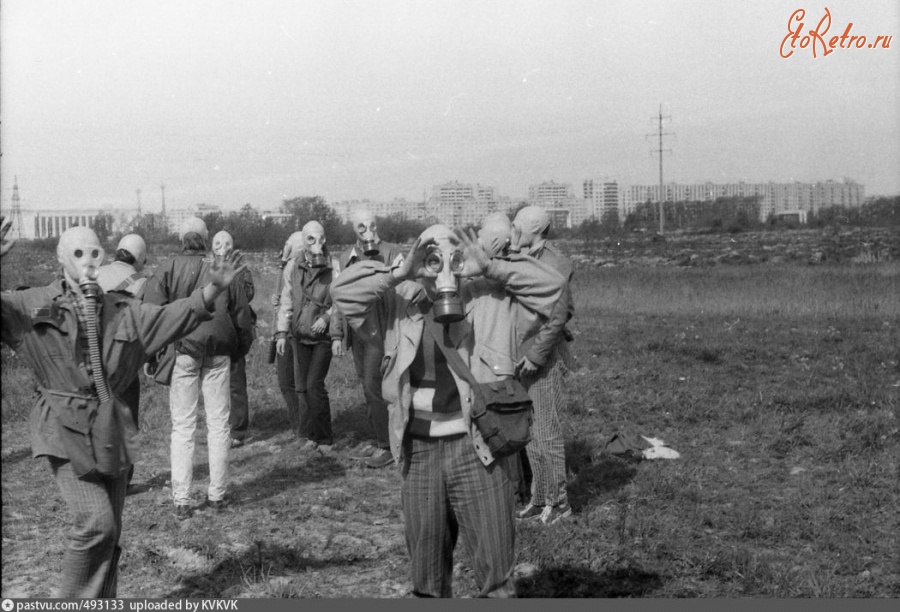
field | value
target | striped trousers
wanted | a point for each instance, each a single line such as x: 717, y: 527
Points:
x: 90, y: 566
x: 447, y: 491
x: 546, y: 452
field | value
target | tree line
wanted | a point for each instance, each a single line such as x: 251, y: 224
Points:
x: 253, y: 231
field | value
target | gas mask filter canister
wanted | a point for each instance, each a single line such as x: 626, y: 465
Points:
x: 370, y: 248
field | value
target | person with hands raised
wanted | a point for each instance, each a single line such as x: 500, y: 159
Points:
x: 202, y: 359
x: 86, y: 348
x: 448, y: 290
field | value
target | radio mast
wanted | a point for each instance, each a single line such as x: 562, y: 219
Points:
x: 16, y: 211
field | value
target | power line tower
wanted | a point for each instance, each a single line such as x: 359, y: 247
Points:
x: 16, y: 211
x: 138, y: 193
x: 660, y: 152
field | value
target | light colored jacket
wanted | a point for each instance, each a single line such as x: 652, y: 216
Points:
x: 120, y: 276
x: 553, y: 335
x: 369, y: 295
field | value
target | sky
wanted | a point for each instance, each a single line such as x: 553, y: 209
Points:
x: 231, y: 102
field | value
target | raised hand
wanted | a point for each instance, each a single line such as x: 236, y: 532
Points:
x: 5, y: 244
x: 223, y: 271
x: 413, y: 265
x: 475, y: 258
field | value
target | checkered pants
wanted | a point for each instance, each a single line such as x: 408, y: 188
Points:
x: 546, y: 451
x: 90, y: 566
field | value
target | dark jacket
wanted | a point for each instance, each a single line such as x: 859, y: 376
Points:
x: 229, y: 332
x: 41, y: 325
x: 305, y: 297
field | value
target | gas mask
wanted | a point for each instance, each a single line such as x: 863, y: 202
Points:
x: 444, y: 262
x: 530, y: 227
x: 366, y: 233
x: 80, y: 254
x: 495, y: 235
x: 314, y: 244
x: 222, y: 245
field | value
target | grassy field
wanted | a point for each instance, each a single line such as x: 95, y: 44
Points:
x: 778, y: 384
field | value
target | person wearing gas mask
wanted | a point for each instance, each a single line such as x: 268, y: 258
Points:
x: 284, y: 362
x: 447, y: 289
x: 305, y: 320
x: 368, y: 350
x: 124, y: 274
x: 541, y: 368
x: 85, y: 347
x: 202, y: 363
x: 239, y: 416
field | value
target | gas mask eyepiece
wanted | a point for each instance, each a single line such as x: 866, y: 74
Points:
x: 434, y: 260
x: 448, y: 307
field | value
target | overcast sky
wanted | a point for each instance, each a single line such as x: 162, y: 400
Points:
x: 229, y: 102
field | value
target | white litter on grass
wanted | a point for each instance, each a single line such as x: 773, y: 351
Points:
x: 659, y: 450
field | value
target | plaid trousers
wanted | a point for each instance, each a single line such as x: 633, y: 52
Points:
x: 446, y: 492
x: 90, y: 566
x: 546, y: 452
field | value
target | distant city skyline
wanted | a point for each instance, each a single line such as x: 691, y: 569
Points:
x: 457, y: 204
x: 230, y: 103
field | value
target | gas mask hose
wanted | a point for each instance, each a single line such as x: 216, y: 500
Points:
x: 91, y: 292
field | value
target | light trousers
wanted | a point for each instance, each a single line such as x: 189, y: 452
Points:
x: 190, y: 377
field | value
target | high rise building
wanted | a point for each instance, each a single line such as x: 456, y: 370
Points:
x: 559, y: 200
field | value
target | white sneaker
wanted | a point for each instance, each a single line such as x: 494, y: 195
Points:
x: 531, y: 512
x: 554, y: 514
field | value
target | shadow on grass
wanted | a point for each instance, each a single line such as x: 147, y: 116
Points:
x: 595, y: 474
x: 350, y: 425
x: 575, y: 582
x: 267, y: 423
x: 251, y: 568
x: 282, y: 478
x: 353, y: 424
